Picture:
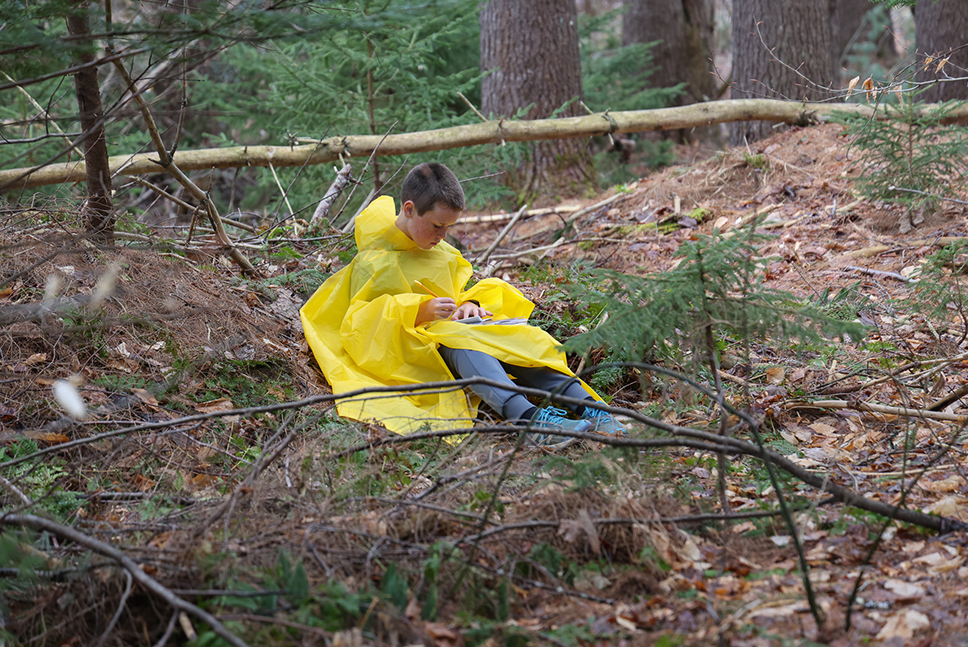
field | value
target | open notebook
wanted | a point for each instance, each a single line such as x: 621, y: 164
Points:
x: 487, y: 321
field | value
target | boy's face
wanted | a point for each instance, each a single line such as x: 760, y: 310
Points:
x: 429, y: 229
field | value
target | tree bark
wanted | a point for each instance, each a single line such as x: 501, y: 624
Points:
x: 781, y: 48
x: 852, y: 22
x: 99, y: 214
x: 940, y: 28
x: 846, y: 19
x: 684, y: 29
x: 530, y: 50
x: 491, y: 132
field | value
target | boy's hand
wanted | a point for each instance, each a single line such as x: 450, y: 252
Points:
x: 436, y: 308
x: 469, y: 309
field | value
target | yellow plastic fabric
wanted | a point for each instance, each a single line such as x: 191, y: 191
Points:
x: 360, y: 327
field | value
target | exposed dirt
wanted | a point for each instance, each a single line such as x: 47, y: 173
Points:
x: 183, y: 336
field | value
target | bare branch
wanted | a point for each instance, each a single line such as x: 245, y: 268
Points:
x: 145, y: 580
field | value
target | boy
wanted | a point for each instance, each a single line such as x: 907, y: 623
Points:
x: 393, y: 317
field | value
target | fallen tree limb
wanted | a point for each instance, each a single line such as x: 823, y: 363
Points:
x: 951, y: 398
x: 21, y: 312
x: 882, y: 273
x: 334, y: 191
x: 145, y: 580
x: 491, y: 132
x: 879, y: 408
x: 921, y: 242
x: 499, y: 217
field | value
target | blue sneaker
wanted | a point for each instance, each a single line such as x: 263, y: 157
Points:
x: 605, y: 423
x: 554, y: 419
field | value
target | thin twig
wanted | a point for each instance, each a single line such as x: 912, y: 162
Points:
x: 117, y: 614
x: 168, y: 631
x: 150, y: 583
x: 472, y: 107
x: 14, y: 490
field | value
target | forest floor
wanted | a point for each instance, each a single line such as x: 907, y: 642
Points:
x: 199, y: 460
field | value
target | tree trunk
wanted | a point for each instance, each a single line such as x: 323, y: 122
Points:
x: 852, y: 23
x: 531, y: 51
x: 846, y: 21
x: 99, y: 216
x: 685, y: 31
x: 781, y: 48
x: 939, y: 28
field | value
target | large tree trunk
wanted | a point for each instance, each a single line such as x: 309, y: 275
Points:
x: 685, y: 31
x: 531, y: 51
x: 852, y: 23
x: 941, y: 27
x: 99, y: 216
x: 781, y: 48
x: 846, y: 21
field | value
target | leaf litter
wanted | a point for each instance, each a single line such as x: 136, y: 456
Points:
x: 579, y: 543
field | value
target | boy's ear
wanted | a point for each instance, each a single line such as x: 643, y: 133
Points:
x: 409, y: 209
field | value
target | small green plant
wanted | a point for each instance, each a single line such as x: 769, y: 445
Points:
x: 248, y: 383
x: 570, y: 302
x: 604, y: 379
x: 41, y: 482
x: 304, y: 282
x: 715, y: 290
x: 941, y: 291
x: 909, y: 157
x: 546, y: 560
x: 759, y: 162
x: 586, y: 473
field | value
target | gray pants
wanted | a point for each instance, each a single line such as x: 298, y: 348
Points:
x: 511, y: 405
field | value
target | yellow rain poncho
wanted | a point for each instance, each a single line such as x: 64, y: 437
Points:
x: 360, y: 326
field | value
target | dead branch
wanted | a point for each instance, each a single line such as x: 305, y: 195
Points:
x: 870, y: 272
x: 951, y: 398
x: 15, y: 491
x: 169, y: 164
x: 504, y: 232
x: 145, y: 580
x: 332, y: 193
x: 879, y: 408
x: 117, y: 614
x: 686, y: 518
x: 492, y: 132
x: 21, y: 312
x: 921, y: 242
x: 499, y: 217
x: 575, y: 216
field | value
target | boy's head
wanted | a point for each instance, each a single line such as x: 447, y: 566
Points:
x: 432, y: 184
x: 431, y: 203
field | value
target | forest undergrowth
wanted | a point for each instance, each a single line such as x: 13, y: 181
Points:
x: 210, y: 455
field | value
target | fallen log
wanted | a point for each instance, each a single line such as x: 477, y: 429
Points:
x: 491, y: 132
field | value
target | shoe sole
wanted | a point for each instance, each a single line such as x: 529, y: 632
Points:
x: 563, y: 444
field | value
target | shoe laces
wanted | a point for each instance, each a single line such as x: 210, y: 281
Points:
x: 550, y: 414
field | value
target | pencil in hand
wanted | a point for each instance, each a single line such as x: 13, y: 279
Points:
x: 427, y: 289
